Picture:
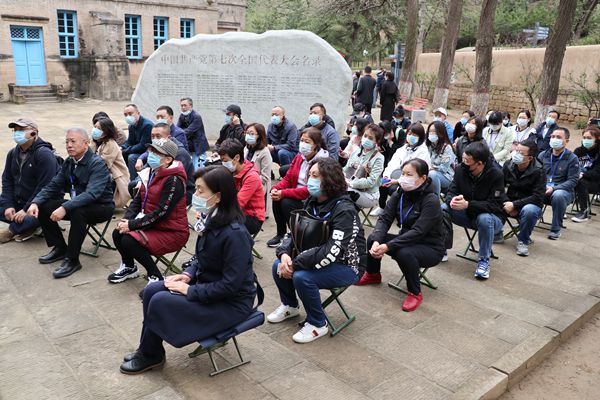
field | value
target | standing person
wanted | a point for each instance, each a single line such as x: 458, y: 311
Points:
x: 379, y: 78
x: 365, y: 89
x: 233, y: 128
x: 282, y: 137
x: 86, y: 178
x: 389, y: 97
x: 589, y: 167
x: 459, y: 128
x: 420, y: 242
x: 256, y: 151
x: 498, y: 138
x: 191, y: 123
x: 156, y: 221
x: 522, y: 129
x: 544, y: 131
x: 104, y: 136
x: 164, y: 115
x: 474, y: 130
x: 441, y: 115
x: 303, y: 269
x: 29, y: 167
x: 355, y: 78
x: 442, y: 156
x: 140, y: 130
x: 213, y: 294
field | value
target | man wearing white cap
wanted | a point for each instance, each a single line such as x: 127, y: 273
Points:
x: 440, y: 114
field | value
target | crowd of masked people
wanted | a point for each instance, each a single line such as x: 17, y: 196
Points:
x: 420, y: 178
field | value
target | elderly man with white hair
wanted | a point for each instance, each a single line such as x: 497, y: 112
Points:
x: 86, y: 179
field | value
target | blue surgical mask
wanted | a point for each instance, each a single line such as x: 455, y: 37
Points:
x: 96, y: 133
x: 314, y: 119
x: 517, y: 158
x: 437, y: 119
x: 304, y: 148
x: 200, y: 204
x: 587, y: 143
x: 550, y: 121
x: 19, y: 137
x: 412, y: 140
x: 250, y: 139
x: 154, y: 160
x: 367, y: 144
x: 464, y: 121
x: 314, y: 187
x: 186, y: 113
x: 229, y: 165
x: 275, y: 119
x: 228, y: 119
x: 354, y: 130
x: 162, y: 121
x: 556, y: 143
x: 130, y: 120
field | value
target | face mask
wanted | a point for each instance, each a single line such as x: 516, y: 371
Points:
x: 314, y: 187
x: 437, y: 119
x: 433, y: 138
x: 517, y: 158
x: 162, y: 121
x: 556, y: 143
x: 522, y: 122
x: 463, y: 121
x: 397, y: 120
x: 19, y: 137
x: 495, y: 127
x: 186, y: 113
x: 587, y: 143
x: 314, y: 119
x: 130, y: 120
x: 550, y: 121
x: 275, y: 119
x: 228, y: 119
x: 412, y: 140
x: 367, y: 144
x: 354, y: 130
x: 154, y: 160
x: 470, y: 128
x: 304, y: 148
x: 200, y: 204
x: 96, y: 133
x: 505, y: 122
x: 228, y: 165
x: 407, y: 183
x: 250, y: 139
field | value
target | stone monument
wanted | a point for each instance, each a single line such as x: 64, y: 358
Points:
x: 290, y: 68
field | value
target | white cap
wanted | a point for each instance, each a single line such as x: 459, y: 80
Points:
x: 441, y: 110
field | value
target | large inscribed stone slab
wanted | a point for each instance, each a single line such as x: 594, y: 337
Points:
x: 290, y: 68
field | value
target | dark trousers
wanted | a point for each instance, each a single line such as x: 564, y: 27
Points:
x: 282, y: 210
x: 131, y: 249
x: 368, y: 107
x: 253, y: 224
x: 28, y: 224
x: 384, y: 192
x: 410, y: 259
x: 151, y: 345
x: 79, y: 217
x: 583, y: 189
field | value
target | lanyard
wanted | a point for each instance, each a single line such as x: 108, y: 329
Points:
x: 316, y: 215
x: 73, y: 192
x: 146, y: 194
x: 553, y: 169
x: 403, y: 218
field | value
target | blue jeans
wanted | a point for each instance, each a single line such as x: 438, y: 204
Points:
x: 131, y: 160
x: 559, y: 200
x: 28, y: 224
x: 528, y: 217
x: 487, y: 225
x: 283, y: 156
x: 307, y: 283
x: 439, y: 181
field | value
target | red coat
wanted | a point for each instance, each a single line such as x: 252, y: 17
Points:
x: 288, y: 185
x: 169, y: 233
x: 251, y: 196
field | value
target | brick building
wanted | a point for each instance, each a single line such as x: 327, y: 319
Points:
x: 96, y: 48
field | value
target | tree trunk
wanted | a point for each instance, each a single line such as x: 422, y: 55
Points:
x: 483, y: 57
x: 410, y: 49
x: 553, y: 57
x: 588, y: 9
x: 442, y: 86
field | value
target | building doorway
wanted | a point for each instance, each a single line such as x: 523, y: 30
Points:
x: 28, y: 55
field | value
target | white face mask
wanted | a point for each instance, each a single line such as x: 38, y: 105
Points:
x: 470, y: 128
x: 522, y: 122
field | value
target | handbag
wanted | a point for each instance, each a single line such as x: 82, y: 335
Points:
x: 362, y: 171
x: 307, y: 231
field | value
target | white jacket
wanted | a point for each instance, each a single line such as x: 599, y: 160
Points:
x: 500, y: 143
x: 406, y: 153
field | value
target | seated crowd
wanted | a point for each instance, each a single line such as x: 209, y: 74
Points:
x: 478, y: 174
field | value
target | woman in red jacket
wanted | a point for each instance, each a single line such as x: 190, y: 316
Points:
x: 291, y: 191
x: 156, y: 221
x: 250, y: 195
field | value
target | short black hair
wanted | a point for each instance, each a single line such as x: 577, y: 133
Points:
x: 320, y: 105
x: 361, y: 124
x: 565, y: 130
x: 554, y: 111
x: 132, y: 105
x: 219, y: 180
x: 333, y: 182
x: 532, y: 147
x: 495, y: 118
x: 389, y: 75
x: 419, y: 165
x: 471, y: 113
x: 188, y: 100
x: 399, y: 112
x: 232, y: 147
x: 479, y: 151
x: 368, y: 69
x: 168, y: 109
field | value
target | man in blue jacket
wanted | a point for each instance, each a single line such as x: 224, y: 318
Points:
x: 191, y: 123
x: 282, y: 136
x: 562, y: 173
x: 140, y: 129
x: 164, y: 115
x: 85, y: 176
x: 29, y: 166
x: 545, y: 129
x: 330, y: 136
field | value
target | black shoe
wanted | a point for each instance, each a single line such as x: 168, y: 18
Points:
x: 130, y: 356
x: 275, y: 241
x: 56, y: 254
x: 67, y: 268
x: 141, y: 363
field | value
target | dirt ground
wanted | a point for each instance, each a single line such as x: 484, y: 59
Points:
x: 571, y: 372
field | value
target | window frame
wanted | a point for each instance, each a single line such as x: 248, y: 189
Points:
x: 183, y: 28
x: 66, y: 35
x: 135, y: 41
x: 158, y: 36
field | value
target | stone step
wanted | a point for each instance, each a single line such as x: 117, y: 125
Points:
x: 34, y: 95
x: 42, y: 100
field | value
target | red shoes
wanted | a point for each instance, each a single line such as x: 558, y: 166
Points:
x: 369, y: 279
x: 412, y: 302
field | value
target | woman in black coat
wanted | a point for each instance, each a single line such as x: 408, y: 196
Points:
x: 388, y: 96
x: 215, y: 293
x: 420, y: 243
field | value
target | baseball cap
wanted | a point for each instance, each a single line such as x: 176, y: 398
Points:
x: 164, y: 146
x: 23, y: 122
x: 441, y: 110
x: 232, y: 108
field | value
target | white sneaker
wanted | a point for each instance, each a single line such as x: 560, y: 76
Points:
x: 309, y: 332
x: 445, y: 258
x: 376, y: 212
x: 282, y: 313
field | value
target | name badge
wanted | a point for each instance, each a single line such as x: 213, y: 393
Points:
x: 140, y: 215
x: 73, y: 193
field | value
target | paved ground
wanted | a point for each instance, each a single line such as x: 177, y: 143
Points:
x: 64, y: 339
